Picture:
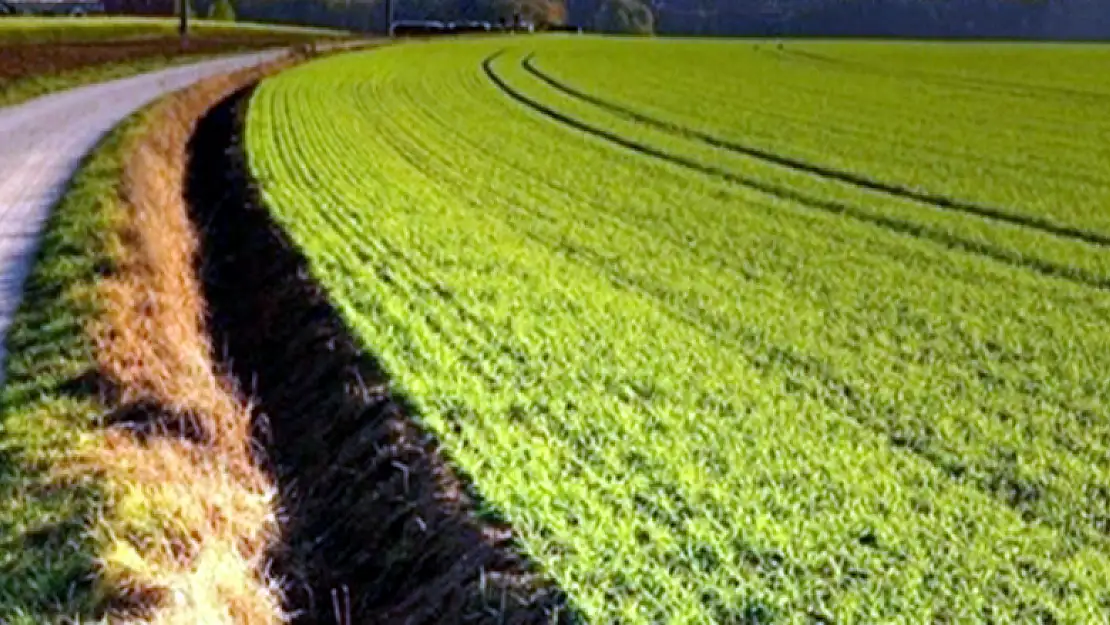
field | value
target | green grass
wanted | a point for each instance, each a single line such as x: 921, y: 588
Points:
x: 90, y: 29
x: 855, y: 372
x: 49, y: 411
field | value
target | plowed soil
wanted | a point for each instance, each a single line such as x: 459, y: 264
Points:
x: 25, y: 60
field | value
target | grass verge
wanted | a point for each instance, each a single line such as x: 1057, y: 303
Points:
x: 49, y: 412
x: 130, y: 484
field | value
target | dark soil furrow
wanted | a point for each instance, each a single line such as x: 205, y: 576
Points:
x: 378, y: 527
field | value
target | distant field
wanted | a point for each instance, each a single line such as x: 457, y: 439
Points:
x: 41, y: 55
x: 87, y: 29
x: 736, y: 332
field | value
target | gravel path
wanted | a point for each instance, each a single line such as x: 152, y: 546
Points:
x: 42, y: 142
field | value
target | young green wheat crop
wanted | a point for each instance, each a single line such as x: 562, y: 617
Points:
x: 735, y: 332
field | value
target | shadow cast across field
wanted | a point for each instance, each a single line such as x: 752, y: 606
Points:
x: 378, y: 527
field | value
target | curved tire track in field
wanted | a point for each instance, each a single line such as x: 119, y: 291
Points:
x: 1007, y: 257
x: 932, y: 199
x: 694, y: 317
x: 843, y: 396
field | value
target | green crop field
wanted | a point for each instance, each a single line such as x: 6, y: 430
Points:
x: 736, y: 332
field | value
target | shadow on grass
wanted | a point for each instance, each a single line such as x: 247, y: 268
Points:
x: 51, y: 400
x: 378, y: 528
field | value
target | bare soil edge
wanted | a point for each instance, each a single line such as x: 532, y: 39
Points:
x: 28, y: 60
x: 377, y: 527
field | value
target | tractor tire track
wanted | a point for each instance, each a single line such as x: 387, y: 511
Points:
x: 898, y: 226
x: 802, y: 372
x: 935, y: 200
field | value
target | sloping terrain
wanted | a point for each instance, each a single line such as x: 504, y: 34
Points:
x: 734, y: 332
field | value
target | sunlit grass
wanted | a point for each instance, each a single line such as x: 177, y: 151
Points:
x: 852, y: 373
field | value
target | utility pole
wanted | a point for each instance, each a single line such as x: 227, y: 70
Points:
x: 389, y: 17
x: 183, y: 22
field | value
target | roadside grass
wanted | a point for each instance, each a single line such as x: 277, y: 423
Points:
x: 50, y: 412
x: 96, y: 29
x: 129, y: 483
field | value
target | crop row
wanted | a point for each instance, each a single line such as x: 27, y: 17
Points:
x: 696, y: 399
x: 1042, y: 154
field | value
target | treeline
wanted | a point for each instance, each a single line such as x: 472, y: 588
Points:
x: 537, y: 11
x: 1029, y: 19
x: 370, y: 15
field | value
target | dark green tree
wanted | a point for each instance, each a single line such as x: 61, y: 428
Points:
x: 625, y: 16
x: 222, y: 11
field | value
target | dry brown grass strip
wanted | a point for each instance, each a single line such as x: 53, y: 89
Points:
x: 194, y: 514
